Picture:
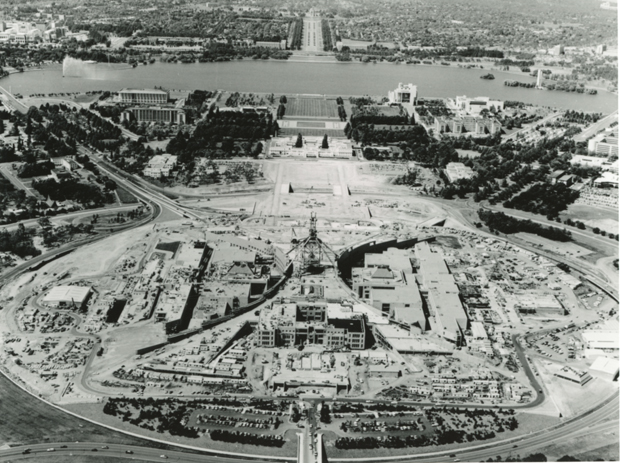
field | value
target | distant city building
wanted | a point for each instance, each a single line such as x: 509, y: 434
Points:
x: 160, y: 165
x: 591, y: 161
x: 281, y: 45
x: 557, y: 50
x: 477, y: 125
x: 406, y: 95
x: 144, y: 96
x: 21, y: 32
x: 600, y: 49
x: 457, y: 171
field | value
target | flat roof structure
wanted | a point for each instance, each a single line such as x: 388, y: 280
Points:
x: 394, y: 258
x: 405, y: 342
x: 443, y: 293
x: 601, y: 339
x: 606, y: 367
x: 67, y: 294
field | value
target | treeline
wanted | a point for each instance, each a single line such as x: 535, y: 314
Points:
x: 450, y: 436
x: 19, y: 242
x: 72, y: 190
x: 516, y: 83
x: 218, y: 127
x: 498, y: 221
x: 35, y: 169
x: 296, y: 33
x: 373, y: 115
x: 478, y: 52
x: 544, y: 198
x: 227, y: 52
x: 155, y: 415
x: 413, y: 137
x: 581, y: 117
x: 326, y: 31
x: 518, y: 63
x: 239, y: 437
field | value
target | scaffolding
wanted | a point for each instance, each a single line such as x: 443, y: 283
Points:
x: 311, y: 252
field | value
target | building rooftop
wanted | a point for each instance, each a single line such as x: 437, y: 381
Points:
x: 144, y: 90
x: 77, y: 294
x: 605, y: 365
x: 396, y: 259
x: 601, y: 339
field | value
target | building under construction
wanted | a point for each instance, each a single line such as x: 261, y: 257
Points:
x: 311, y: 254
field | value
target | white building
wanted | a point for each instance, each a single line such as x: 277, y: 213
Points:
x: 457, y: 171
x: 475, y: 106
x: 607, y: 179
x: 67, y: 295
x: 144, y: 96
x: 589, y: 161
x: 406, y: 95
x: 601, y: 342
x: 160, y: 165
x: 604, y: 144
x: 606, y: 368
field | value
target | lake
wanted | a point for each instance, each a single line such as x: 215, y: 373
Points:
x: 302, y: 77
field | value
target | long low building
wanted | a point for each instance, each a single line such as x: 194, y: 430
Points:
x: 539, y: 304
x: 68, y: 295
x: 155, y: 114
x: 144, y: 95
x: 601, y: 342
x: 451, y: 320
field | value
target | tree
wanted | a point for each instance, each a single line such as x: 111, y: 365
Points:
x: 325, y: 144
x: 281, y: 111
x: 596, y: 230
x: 44, y: 222
x: 300, y: 141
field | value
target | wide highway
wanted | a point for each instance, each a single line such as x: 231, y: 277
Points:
x: 130, y: 452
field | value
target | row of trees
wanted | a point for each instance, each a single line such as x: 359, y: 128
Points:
x: 296, y: 33
x: 498, y: 221
x: 239, y: 437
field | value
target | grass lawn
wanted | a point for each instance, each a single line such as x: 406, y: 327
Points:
x: 29, y: 421
x: 125, y: 196
x: 311, y: 107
